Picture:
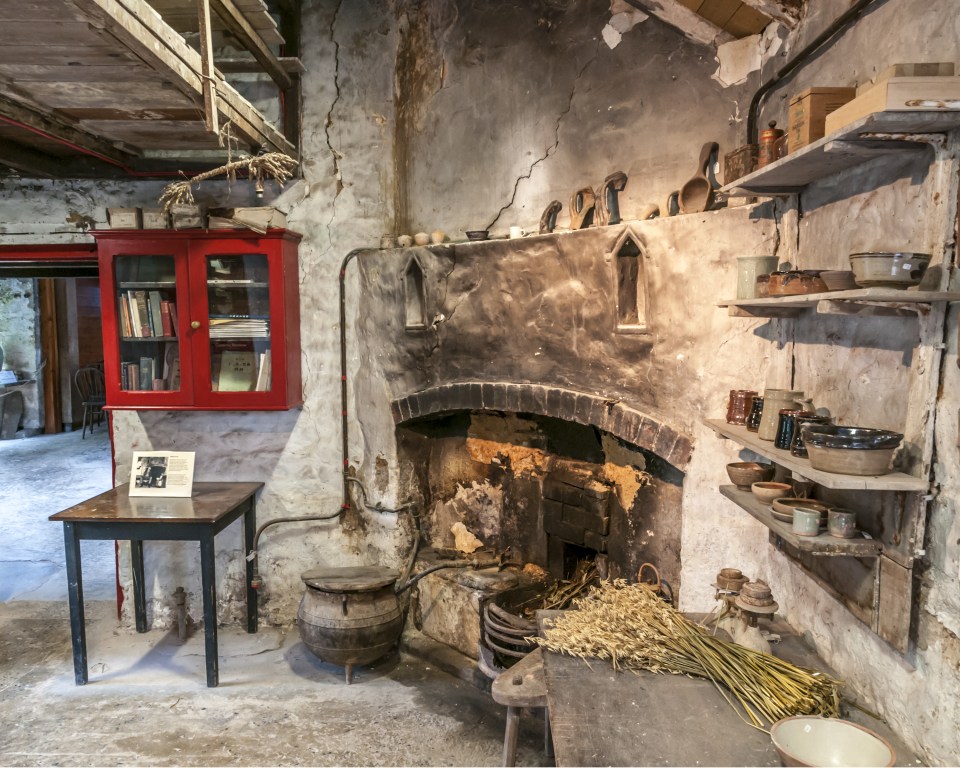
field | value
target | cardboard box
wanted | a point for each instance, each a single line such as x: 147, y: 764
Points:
x: 920, y: 69
x: 808, y: 113
x: 900, y: 94
x: 123, y: 218
x: 155, y: 218
x: 186, y: 216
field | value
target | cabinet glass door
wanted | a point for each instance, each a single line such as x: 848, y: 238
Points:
x: 145, y: 290
x: 238, y: 307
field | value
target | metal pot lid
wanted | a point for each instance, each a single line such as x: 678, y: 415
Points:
x: 362, y: 578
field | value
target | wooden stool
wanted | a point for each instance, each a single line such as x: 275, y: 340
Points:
x: 521, y: 686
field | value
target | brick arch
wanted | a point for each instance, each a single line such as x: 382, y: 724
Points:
x: 611, y: 416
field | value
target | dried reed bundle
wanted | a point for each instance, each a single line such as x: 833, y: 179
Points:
x: 633, y: 628
x: 272, y: 165
x: 562, y: 594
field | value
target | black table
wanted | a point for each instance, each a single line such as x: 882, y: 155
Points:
x: 115, y: 515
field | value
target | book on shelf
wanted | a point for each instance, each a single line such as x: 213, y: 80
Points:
x: 263, y: 372
x: 173, y: 319
x: 146, y: 373
x: 156, y: 324
x: 142, y: 313
x: 237, y: 371
x: 165, y: 323
x: 130, y: 376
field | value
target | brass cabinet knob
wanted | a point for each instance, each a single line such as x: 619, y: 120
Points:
x: 195, y: 324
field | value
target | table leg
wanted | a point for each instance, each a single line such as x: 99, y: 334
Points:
x: 208, y: 578
x: 139, y: 586
x: 510, y: 736
x: 78, y: 632
x: 249, y: 531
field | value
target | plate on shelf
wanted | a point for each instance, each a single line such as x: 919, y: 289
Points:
x: 783, y: 517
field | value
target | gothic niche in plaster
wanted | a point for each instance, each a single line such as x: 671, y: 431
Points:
x: 414, y: 297
x: 631, y: 287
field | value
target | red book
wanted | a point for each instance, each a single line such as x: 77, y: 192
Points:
x: 165, y: 320
x: 173, y: 318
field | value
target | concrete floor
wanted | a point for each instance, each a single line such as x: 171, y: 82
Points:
x: 147, y: 702
x: 277, y: 704
x: 40, y: 476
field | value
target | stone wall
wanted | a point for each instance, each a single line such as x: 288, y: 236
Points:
x: 450, y: 115
x: 19, y: 339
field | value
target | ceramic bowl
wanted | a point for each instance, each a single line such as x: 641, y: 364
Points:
x: 806, y: 740
x: 786, y: 505
x: 839, y: 279
x: 743, y: 474
x: 889, y: 270
x: 770, y: 491
x: 850, y: 438
x: 844, y: 461
x: 796, y: 283
x: 477, y: 234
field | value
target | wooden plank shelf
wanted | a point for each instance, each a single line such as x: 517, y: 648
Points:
x: 860, y: 300
x: 843, y: 149
x: 894, y: 481
x: 824, y: 544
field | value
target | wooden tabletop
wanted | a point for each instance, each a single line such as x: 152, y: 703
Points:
x: 209, y: 503
x: 602, y: 717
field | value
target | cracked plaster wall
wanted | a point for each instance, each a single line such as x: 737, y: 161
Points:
x: 511, y: 96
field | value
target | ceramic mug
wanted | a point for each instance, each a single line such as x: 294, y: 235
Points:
x: 841, y: 523
x: 806, y: 522
x: 516, y: 232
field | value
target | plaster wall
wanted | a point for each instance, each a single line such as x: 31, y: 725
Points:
x: 508, y: 119
x: 19, y: 337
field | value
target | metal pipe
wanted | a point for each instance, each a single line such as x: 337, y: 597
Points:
x: 839, y: 24
x: 448, y: 564
x: 343, y: 374
x: 256, y: 582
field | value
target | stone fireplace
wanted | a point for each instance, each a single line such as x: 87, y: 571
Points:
x: 531, y: 403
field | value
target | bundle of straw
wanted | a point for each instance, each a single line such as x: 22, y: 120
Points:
x: 633, y: 628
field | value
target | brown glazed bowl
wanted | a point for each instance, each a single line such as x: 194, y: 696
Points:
x: 846, y: 461
x: 796, y: 283
x: 743, y: 474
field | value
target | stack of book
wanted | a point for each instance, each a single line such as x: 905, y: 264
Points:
x: 239, y: 327
x: 152, y: 374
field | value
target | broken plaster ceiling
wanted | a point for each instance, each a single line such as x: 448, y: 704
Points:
x: 100, y: 88
x: 714, y: 22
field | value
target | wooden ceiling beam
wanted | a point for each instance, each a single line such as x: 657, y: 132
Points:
x: 686, y: 21
x: 234, y: 20
x: 140, y: 29
x: 18, y: 115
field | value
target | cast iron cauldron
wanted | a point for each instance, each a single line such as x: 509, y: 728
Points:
x: 350, y: 615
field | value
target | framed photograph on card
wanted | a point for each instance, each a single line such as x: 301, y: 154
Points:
x: 162, y: 473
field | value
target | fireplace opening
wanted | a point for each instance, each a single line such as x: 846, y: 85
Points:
x: 545, y: 493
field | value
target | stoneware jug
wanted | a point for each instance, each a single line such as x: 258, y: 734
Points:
x: 775, y: 400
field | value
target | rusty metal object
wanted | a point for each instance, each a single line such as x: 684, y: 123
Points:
x: 548, y: 219
x: 767, y: 152
x: 582, y: 206
x: 756, y: 597
x: 350, y: 616
x: 608, y: 199
x: 731, y: 579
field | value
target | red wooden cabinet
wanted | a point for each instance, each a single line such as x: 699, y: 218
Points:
x: 200, y: 319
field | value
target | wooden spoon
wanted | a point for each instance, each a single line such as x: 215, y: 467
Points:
x: 697, y: 194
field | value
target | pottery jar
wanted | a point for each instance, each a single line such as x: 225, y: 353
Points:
x: 421, y: 238
x: 749, y: 268
x: 841, y: 523
x: 774, y: 400
x: 768, y: 139
x: 786, y: 426
x: 756, y: 411
x: 739, y: 405
x: 806, y: 522
x: 405, y: 241
x: 762, y: 288
x: 797, y: 447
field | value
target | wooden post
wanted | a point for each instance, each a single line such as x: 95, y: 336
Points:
x: 49, y: 354
x: 207, y: 73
